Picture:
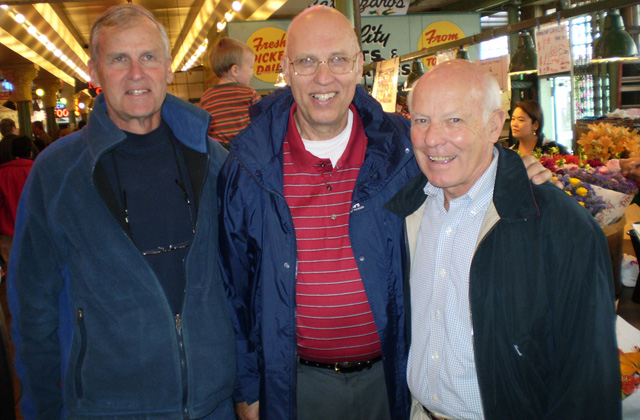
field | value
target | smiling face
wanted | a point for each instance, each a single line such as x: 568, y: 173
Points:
x: 323, y: 98
x: 452, y: 141
x: 133, y: 70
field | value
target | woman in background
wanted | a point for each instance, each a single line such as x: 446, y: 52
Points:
x: 526, y: 128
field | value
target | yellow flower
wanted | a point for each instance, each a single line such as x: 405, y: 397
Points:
x: 630, y: 363
x: 554, y: 178
x: 574, y: 181
x: 568, y: 192
x: 582, y: 191
x: 581, y: 203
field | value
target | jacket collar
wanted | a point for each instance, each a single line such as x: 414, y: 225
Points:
x: 512, y: 196
x: 260, y: 145
x: 189, y: 124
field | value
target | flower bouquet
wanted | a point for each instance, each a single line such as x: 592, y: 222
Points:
x: 630, y: 370
x: 600, y: 188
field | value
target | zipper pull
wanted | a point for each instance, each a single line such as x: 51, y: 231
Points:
x: 178, y: 322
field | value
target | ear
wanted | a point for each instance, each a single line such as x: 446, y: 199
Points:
x: 360, y: 62
x: 496, y: 122
x: 535, y: 126
x: 285, y: 68
x: 93, y: 72
x: 234, y: 70
x: 169, y: 73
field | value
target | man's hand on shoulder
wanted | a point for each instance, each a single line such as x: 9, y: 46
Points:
x: 248, y: 412
x: 538, y: 174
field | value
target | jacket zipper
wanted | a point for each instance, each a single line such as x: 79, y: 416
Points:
x: 83, y: 349
x: 183, y: 366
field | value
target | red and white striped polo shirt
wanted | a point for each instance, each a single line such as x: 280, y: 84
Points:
x: 334, y: 319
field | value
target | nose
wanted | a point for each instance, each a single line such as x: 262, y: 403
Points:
x: 430, y: 135
x: 135, y: 70
x: 323, y: 74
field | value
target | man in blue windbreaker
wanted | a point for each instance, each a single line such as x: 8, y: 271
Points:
x: 118, y: 307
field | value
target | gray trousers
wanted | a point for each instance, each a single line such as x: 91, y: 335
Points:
x: 323, y: 394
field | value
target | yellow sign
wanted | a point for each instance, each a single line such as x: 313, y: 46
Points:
x: 438, y: 33
x: 268, y: 44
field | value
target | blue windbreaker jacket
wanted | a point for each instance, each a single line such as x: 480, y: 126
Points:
x: 88, y: 311
x: 258, y: 251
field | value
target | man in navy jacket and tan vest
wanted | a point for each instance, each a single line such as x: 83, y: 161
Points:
x: 512, y: 306
x: 114, y: 286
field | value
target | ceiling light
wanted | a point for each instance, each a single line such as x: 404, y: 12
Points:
x: 614, y: 44
x: 525, y: 59
x: 57, y: 52
x: 33, y: 31
x: 236, y: 5
x: 40, y: 92
x: 220, y: 25
x: 4, y: 6
x: 18, y: 17
x: 228, y: 16
x: 50, y: 46
x: 43, y: 39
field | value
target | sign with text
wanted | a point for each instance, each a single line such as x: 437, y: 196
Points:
x: 499, y: 68
x: 553, y: 48
x: 385, y: 85
x: 268, y: 44
x: 383, y: 37
x: 374, y: 7
x: 438, y: 33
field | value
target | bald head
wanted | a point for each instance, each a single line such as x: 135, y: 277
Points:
x: 465, y: 74
x: 318, y: 38
x: 320, y: 22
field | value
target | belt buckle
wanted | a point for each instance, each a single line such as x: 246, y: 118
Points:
x: 336, y: 367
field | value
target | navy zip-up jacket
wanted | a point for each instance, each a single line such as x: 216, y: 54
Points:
x: 542, y: 302
x: 258, y: 251
x: 89, y: 312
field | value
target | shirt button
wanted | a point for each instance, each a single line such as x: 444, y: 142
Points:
x: 435, y: 356
x: 448, y: 230
x: 329, y: 187
x: 361, y: 257
x: 333, y: 217
x: 407, y: 150
x: 443, y: 272
x: 474, y: 212
x: 437, y: 314
x: 435, y: 397
x: 286, y: 265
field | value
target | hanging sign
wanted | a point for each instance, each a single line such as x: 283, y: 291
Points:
x: 437, y: 33
x: 553, y: 48
x: 374, y: 7
x: 385, y: 85
x: 268, y: 44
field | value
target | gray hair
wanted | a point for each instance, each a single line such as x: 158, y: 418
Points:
x: 123, y: 16
x: 490, y: 92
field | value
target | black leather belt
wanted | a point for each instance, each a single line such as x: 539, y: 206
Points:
x: 342, y: 367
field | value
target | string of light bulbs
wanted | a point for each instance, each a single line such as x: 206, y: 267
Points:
x: 43, y: 39
x: 236, y: 7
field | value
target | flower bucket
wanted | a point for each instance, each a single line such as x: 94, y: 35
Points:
x: 615, y: 235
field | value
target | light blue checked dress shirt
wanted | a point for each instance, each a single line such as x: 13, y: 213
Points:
x: 442, y: 372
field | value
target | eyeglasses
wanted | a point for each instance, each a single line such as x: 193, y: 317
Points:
x: 337, y: 65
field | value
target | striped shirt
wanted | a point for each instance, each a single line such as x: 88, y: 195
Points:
x: 334, y: 319
x: 228, y: 105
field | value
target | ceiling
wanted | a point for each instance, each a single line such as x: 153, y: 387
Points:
x: 67, y: 24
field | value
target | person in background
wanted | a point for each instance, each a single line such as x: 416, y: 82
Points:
x: 13, y: 175
x: 312, y: 262
x: 40, y: 137
x: 511, y: 318
x: 81, y: 125
x: 526, y: 128
x: 9, y: 131
x: 229, y: 100
x: 118, y: 307
x: 64, y: 132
